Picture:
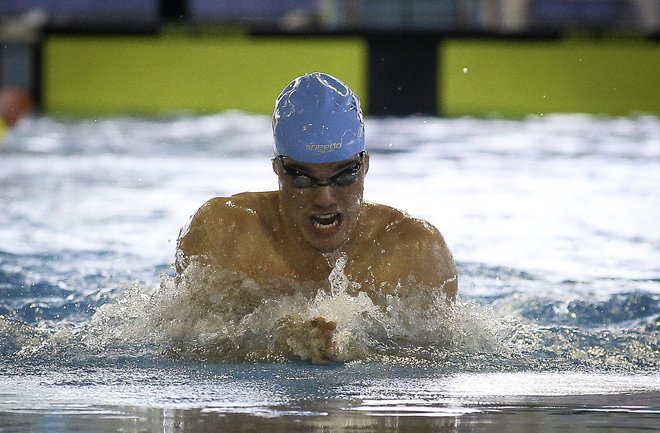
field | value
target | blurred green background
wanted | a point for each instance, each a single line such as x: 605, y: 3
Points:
x: 147, y: 75
x: 447, y: 57
x: 160, y: 74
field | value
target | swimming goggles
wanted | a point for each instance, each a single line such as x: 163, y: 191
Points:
x: 345, y: 177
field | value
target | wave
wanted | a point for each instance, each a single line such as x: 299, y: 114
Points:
x: 66, y: 286
x: 221, y: 316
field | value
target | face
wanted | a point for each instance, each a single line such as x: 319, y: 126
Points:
x: 321, y: 202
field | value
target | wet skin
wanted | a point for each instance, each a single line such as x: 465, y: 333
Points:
x: 297, y: 234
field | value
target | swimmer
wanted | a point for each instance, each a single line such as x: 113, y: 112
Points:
x: 318, y: 216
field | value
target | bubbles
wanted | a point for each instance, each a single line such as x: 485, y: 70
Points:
x: 15, y: 335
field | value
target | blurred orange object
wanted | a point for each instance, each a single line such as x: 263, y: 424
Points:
x: 15, y: 104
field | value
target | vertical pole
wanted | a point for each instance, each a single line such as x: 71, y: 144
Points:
x: 173, y: 10
x: 37, y: 73
x: 402, y: 76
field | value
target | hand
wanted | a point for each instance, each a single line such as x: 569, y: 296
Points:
x: 322, y: 342
x: 312, y: 339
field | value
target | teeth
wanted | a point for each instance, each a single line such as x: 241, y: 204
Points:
x: 318, y: 225
x: 325, y: 221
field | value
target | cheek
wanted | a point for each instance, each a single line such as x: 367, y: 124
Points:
x: 293, y: 201
x: 352, y: 199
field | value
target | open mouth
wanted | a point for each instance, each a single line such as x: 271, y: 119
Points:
x: 326, y: 221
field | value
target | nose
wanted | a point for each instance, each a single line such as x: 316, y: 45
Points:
x: 324, y: 196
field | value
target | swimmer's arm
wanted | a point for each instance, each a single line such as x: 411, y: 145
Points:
x: 427, y: 259
x: 221, y: 234
x: 197, y: 240
x: 443, y: 268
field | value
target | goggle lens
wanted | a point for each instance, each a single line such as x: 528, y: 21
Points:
x: 344, y: 178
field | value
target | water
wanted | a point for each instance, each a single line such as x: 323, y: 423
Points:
x: 553, y: 222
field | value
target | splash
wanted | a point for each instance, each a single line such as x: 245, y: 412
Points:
x: 223, y: 316
x: 210, y: 314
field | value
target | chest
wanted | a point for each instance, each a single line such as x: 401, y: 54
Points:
x: 272, y: 264
x: 275, y: 264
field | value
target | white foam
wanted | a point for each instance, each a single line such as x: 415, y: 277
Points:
x: 215, y: 314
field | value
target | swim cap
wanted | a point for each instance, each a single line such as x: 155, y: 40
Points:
x: 317, y: 118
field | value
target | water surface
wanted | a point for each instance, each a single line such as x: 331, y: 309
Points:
x: 552, y: 221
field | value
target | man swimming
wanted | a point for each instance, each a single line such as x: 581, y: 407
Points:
x: 317, y: 219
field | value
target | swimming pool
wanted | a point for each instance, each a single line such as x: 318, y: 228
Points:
x: 553, y: 221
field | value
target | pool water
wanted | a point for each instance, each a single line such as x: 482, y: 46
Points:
x: 553, y: 222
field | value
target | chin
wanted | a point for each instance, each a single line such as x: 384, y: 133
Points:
x: 326, y: 245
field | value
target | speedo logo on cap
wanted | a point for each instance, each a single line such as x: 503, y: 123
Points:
x: 323, y: 148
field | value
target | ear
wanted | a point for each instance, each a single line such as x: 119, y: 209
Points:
x: 274, y: 165
x: 366, y: 163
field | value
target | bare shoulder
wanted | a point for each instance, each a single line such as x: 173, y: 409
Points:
x: 230, y: 210
x: 397, y: 225
x: 212, y: 229
x: 253, y: 203
x: 216, y: 211
x: 418, y: 248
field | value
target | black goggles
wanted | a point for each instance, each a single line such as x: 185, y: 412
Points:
x: 345, y: 177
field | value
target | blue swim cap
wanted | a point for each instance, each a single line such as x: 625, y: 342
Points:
x: 317, y: 118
